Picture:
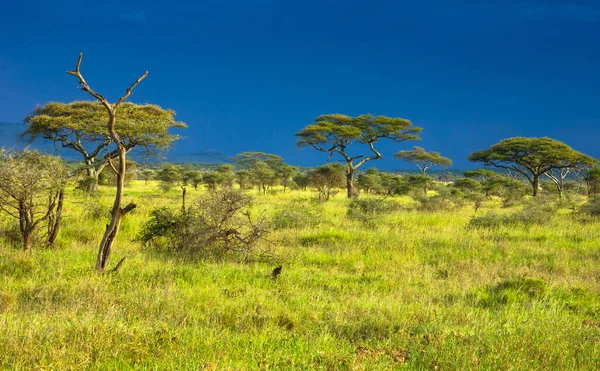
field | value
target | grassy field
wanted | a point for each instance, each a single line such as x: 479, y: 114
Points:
x: 414, y: 290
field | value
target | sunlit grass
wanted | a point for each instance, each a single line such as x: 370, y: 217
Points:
x: 416, y: 290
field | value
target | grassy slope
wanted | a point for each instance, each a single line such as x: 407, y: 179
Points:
x: 417, y: 291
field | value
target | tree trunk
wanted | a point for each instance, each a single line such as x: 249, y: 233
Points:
x: 27, y: 240
x: 56, y: 222
x: 92, y: 173
x: 183, y: 192
x: 117, y: 212
x: 350, y: 183
x: 535, y: 184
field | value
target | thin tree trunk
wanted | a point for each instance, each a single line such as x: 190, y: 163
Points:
x: 56, y: 221
x: 117, y: 212
x: 183, y: 192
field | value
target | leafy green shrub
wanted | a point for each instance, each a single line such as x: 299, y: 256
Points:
x: 296, y: 216
x: 218, y: 224
x: 534, y: 212
x: 434, y: 203
x: 368, y: 210
x: 592, y: 207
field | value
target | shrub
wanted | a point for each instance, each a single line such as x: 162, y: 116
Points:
x: 368, y: 210
x: 434, y: 203
x: 592, y: 207
x: 218, y: 224
x: 296, y: 216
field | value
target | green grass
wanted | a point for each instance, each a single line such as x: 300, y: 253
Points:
x: 418, y: 290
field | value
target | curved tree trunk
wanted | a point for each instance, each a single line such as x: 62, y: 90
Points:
x: 117, y: 212
x: 55, y: 221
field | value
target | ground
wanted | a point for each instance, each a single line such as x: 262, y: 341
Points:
x: 411, y: 290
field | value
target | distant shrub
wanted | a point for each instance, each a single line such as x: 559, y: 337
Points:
x: 535, y: 212
x: 434, y: 203
x: 296, y: 216
x: 592, y: 207
x: 368, y: 210
x: 488, y: 221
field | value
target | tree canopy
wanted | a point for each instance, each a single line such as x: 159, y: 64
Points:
x: 531, y: 157
x: 335, y: 133
x: 81, y: 126
x: 423, y: 159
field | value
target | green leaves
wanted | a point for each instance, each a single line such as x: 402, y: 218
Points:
x: 84, y: 121
x: 537, y: 155
x: 423, y: 159
x: 334, y: 132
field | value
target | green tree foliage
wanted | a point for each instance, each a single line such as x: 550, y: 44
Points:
x: 169, y: 176
x: 242, y: 177
x: 422, y: 159
x: 286, y: 174
x: 263, y: 176
x: 467, y: 185
x: 30, y: 187
x: 249, y: 160
x: 370, y: 181
x: 81, y: 126
x: 336, y: 134
x: 301, y: 180
x: 592, y: 180
x: 147, y: 174
x: 193, y: 177
x: 325, y: 178
x: 531, y: 157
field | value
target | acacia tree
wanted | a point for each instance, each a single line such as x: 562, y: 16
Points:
x: 423, y: 160
x: 530, y: 157
x: 336, y: 133
x: 326, y: 177
x: 31, y: 190
x: 117, y: 211
x: 81, y: 126
x: 578, y: 163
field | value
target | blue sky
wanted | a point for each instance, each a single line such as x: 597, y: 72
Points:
x: 247, y: 75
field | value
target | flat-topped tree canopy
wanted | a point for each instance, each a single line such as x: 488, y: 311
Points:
x: 422, y: 159
x: 532, y: 157
x: 334, y: 133
x: 144, y: 125
x: 81, y: 126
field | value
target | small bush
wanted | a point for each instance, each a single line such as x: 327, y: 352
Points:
x: 218, y: 224
x: 434, y: 203
x: 592, y: 207
x: 296, y: 216
x: 368, y: 210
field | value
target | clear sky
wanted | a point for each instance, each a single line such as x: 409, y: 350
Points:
x: 246, y: 75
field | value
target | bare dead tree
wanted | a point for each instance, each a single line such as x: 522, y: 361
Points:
x: 117, y: 211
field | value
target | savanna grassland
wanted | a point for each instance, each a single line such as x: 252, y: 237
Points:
x: 406, y: 289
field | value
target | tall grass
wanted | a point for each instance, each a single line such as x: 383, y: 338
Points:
x: 411, y: 290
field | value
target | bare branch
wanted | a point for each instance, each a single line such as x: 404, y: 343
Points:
x: 84, y: 85
x: 130, y: 89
